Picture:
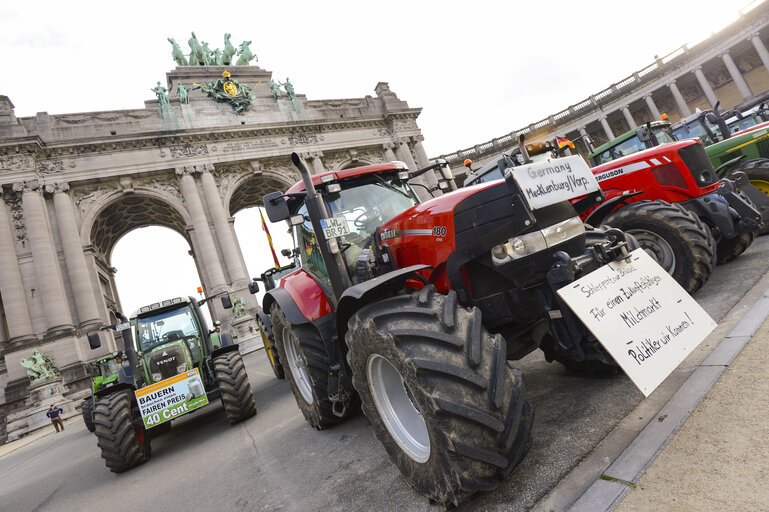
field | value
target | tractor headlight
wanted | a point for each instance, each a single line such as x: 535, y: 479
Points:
x: 530, y: 243
x: 157, y: 377
x: 181, y: 368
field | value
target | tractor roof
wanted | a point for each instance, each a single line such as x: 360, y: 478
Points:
x: 625, y: 136
x: 160, y: 305
x: 330, y: 176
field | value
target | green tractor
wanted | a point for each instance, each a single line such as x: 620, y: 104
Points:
x: 177, y: 365
x: 106, y: 371
x: 745, y: 150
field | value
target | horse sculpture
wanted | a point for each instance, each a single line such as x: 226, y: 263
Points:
x: 39, y: 367
x: 245, y: 54
x: 229, y: 50
x: 197, y: 58
x: 176, y: 53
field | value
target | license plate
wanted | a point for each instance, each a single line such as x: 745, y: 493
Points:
x: 552, y: 181
x: 335, y: 226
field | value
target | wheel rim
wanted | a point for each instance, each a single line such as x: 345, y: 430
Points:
x: 296, y: 364
x: 761, y: 185
x: 268, y: 349
x: 656, y: 247
x: 396, y: 407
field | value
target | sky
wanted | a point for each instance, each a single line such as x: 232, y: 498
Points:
x: 477, y: 69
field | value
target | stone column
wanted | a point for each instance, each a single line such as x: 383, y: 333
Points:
x: 47, y: 268
x: 629, y: 118
x: 652, y: 107
x: 389, y: 153
x: 79, y: 276
x: 706, y: 88
x: 607, y: 128
x: 317, y: 163
x: 763, y: 54
x: 224, y: 234
x: 683, y: 108
x: 404, y: 154
x: 739, y: 81
x: 207, y: 249
x: 422, y: 159
x: 14, y: 299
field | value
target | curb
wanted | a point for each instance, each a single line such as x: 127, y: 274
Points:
x: 623, y: 473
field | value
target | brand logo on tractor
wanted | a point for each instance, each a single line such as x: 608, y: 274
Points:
x: 388, y: 233
x: 164, y: 361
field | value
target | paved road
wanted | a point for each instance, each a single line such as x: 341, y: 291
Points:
x: 276, y: 461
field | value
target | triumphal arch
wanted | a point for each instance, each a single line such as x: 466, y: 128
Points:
x: 217, y: 136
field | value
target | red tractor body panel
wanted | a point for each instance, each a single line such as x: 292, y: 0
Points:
x: 317, y: 179
x: 308, y: 295
x: 659, y: 172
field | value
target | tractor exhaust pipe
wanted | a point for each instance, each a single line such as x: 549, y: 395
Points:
x: 316, y: 208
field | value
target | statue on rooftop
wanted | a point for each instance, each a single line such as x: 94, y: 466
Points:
x: 229, y: 50
x: 289, y: 89
x: 176, y: 53
x: 275, y: 88
x: 182, y: 93
x: 207, y: 54
x: 216, y: 57
x: 196, y: 52
x: 245, y: 54
x: 161, y: 93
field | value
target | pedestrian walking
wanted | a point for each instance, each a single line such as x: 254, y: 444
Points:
x: 54, y: 413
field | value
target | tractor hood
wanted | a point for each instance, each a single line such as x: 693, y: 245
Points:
x: 168, y: 360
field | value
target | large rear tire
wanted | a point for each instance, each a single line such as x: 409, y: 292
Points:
x: 673, y: 236
x: 120, y: 432
x: 437, y: 389
x: 87, y: 411
x: 236, y: 393
x: 270, y: 351
x: 306, y: 366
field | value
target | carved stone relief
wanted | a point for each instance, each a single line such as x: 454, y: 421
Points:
x: 16, y: 163
x: 50, y: 167
x: 13, y: 200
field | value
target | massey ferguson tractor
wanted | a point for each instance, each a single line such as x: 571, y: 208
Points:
x: 412, y: 310
x: 666, y: 194
x: 177, y: 365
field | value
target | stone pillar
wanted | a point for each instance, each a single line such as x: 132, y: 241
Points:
x: 422, y: 159
x: 47, y: 268
x: 79, y: 276
x: 404, y: 154
x: 224, y: 234
x: 582, y: 131
x: 652, y: 107
x: 207, y: 249
x: 14, y: 299
x: 629, y: 118
x: 706, y: 88
x: 317, y: 163
x: 763, y: 54
x: 389, y: 153
x: 739, y: 81
x: 607, y: 128
x: 683, y: 108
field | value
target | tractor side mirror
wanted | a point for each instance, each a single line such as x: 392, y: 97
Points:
x: 643, y: 134
x: 276, y: 206
x: 253, y: 287
x: 227, y: 302
x: 446, y: 173
x: 286, y: 253
x: 94, y: 341
x: 296, y: 220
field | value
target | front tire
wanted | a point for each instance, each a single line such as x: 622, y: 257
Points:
x: 436, y: 387
x: 757, y: 171
x: 673, y: 236
x: 236, y: 393
x: 729, y: 249
x: 120, y: 432
x: 306, y: 366
x: 87, y: 411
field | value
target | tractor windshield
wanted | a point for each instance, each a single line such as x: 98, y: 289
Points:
x: 699, y: 129
x: 166, y: 326
x: 110, y: 367
x: 367, y: 202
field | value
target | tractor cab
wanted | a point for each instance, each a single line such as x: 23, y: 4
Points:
x: 633, y: 141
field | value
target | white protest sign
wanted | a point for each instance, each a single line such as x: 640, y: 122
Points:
x: 647, y: 322
x: 170, y: 398
x: 552, y: 181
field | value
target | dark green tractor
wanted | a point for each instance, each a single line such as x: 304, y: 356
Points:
x: 177, y: 366
x: 105, y: 372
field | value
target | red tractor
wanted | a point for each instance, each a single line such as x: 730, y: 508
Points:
x: 411, y: 310
x: 667, y: 197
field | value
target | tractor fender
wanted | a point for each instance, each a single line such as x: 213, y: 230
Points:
x: 266, y: 322
x: 286, y: 303
x: 366, y: 292
x: 598, y: 215
x: 232, y: 347
x: 120, y: 386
